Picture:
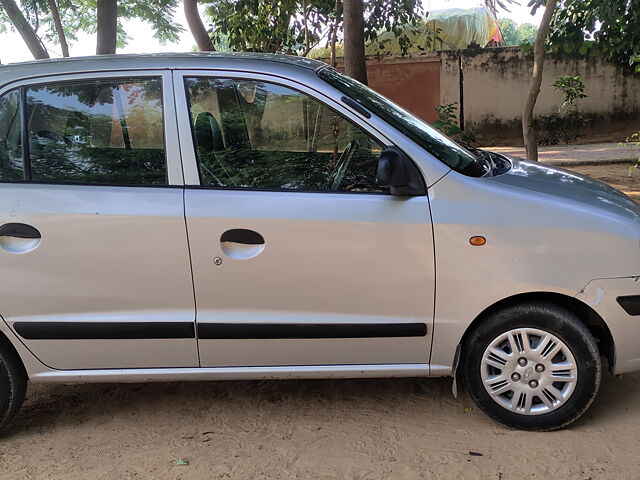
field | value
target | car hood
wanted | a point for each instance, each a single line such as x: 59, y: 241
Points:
x: 568, y: 185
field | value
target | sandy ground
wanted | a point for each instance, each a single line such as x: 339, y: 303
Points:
x: 360, y: 429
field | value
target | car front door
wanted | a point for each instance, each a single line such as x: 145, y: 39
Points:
x: 93, y: 248
x: 298, y: 257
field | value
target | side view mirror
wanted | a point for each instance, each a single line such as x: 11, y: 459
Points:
x: 398, y: 172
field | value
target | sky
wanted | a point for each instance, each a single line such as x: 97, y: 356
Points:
x: 13, y: 49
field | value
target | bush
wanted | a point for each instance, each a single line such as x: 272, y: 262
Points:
x: 633, y: 143
x: 561, y: 127
x: 564, y: 125
x: 447, y: 123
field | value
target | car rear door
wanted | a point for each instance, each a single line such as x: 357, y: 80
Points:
x: 298, y: 257
x: 93, y: 248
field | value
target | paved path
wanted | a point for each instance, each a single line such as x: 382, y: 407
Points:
x: 568, y: 155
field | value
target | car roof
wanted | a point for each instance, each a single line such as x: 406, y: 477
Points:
x: 247, y: 61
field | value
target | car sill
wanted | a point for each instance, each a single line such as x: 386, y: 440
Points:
x: 230, y: 373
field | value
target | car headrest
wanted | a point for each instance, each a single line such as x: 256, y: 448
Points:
x: 208, y: 133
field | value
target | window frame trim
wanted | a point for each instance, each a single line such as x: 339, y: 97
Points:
x: 187, y: 147
x: 24, y: 135
x: 173, y: 161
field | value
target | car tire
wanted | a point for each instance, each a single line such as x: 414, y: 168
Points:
x: 532, y: 366
x: 13, y: 384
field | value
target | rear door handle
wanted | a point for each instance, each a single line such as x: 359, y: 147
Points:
x: 19, y: 230
x: 241, y: 244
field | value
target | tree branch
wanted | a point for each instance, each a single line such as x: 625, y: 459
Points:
x: 199, y: 32
x: 25, y: 30
x: 55, y: 14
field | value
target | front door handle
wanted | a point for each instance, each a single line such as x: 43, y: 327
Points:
x: 19, y: 230
x: 19, y: 238
x: 241, y: 244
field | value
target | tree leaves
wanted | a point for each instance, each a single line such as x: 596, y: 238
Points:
x: 278, y: 26
x: 607, y: 28
x: 515, y: 34
x: 80, y: 16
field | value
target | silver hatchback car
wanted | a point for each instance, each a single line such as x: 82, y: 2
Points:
x: 240, y: 216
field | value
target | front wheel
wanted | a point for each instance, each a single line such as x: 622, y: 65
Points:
x: 13, y: 384
x: 532, y: 367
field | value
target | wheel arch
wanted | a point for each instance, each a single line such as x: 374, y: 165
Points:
x: 587, y: 315
x: 6, y: 344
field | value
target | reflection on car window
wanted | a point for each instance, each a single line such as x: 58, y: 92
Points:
x: 251, y: 134
x: 11, y: 167
x: 441, y: 147
x: 97, y: 132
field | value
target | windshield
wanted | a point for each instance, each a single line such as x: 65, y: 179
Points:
x: 441, y: 147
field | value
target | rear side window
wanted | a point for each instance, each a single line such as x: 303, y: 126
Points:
x: 105, y: 132
x: 11, y: 166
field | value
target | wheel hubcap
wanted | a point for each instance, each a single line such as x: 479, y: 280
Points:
x: 529, y: 371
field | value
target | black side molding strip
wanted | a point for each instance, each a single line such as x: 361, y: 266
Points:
x: 158, y: 330
x: 209, y: 331
x: 103, y: 331
x: 630, y: 303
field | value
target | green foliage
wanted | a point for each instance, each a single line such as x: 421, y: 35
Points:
x: 493, y: 5
x: 564, y: 125
x: 413, y: 38
x: 447, y: 123
x: 158, y: 13
x: 5, y: 23
x: 279, y: 26
x: 632, y: 142
x: 276, y: 26
x: 606, y: 28
x: 572, y: 87
x: 561, y: 127
x: 514, y: 34
x: 80, y: 16
x: 401, y: 19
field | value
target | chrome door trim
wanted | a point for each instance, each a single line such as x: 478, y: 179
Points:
x: 175, y: 176
x: 134, y: 375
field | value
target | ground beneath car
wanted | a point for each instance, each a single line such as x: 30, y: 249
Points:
x: 362, y: 429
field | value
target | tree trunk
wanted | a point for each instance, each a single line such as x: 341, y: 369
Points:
x: 307, y: 48
x: 334, y: 34
x: 25, y: 30
x: 355, y: 63
x: 55, y: 13
x: 198, y: 30
x: 107, y: 27
x: 528, y: 132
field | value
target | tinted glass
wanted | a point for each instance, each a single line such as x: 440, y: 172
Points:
x: 97, y: 132
x: 11, y: 167
x: 441, y: 147
x: 260, y: 135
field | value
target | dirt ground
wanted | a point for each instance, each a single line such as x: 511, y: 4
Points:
x: 360, y: 429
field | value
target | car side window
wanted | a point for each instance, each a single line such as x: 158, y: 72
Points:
x: 107, y: 132
x: 260, y: 135
x: 11, y: 166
